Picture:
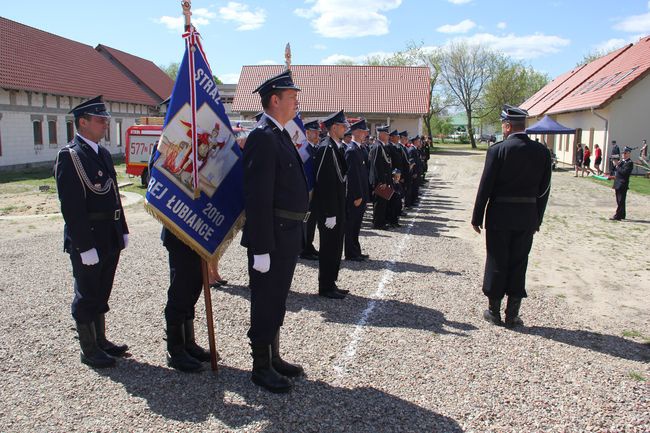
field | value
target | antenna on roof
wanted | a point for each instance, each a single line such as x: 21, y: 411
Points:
x: 287, y: 55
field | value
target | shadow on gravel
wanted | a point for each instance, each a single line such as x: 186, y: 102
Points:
x: 386, y: 313
x: 608, y: 344
x: 382, y: 264
x: 231, y: 398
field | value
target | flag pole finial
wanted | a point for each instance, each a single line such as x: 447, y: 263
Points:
x: 287, y: 55
x: 187, y: 5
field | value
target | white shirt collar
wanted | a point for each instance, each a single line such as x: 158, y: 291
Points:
x: 92, y: 144
x: 281, y: 127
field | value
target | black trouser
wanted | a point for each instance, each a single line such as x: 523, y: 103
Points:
x: 394, y: 209
x: 352, y: 229
x: 92, y: 285
x: 408, y: 190
x: 309, y: 229
x: 379, y: 212
x: 269, y: 293
x: 329, y: 258
x: 185, y: 281
x: 506, y: 263
x: 621, y: 195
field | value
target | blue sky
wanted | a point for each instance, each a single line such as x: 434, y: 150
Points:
x: 550, y: 35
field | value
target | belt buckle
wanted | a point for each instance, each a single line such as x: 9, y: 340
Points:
x: 306, y: 216
x: 117, y: 214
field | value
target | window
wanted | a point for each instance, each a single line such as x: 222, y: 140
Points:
x: 107, y: 136
x: 118, y: 133
x: 69, y: 130
x: 38, y: 132
x: 51, y: 131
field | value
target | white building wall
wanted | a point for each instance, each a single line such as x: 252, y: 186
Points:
x: 16, y: 129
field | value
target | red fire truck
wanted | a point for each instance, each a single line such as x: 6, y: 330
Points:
x: 140, y: 140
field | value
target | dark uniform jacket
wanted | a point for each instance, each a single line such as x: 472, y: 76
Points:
x: 357, y: 173
x: 380, y: 165
x: 87, y: 187
x: 623, y: 171
x: 514, y: 186
x: 274, y: 178
x: 329, y: 190
x: 415, y: 159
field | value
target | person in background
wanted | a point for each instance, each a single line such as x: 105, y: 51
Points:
x: 622, y: 183
x: 614, y: 158
x: 579, y: 158
x: 598, y: 159
x: 643, y: 155
x: 586, y: 162
x: 395, y: 202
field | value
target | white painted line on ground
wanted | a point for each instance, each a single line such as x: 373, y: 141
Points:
x: 359, y: 330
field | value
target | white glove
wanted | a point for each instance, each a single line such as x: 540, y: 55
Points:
x: 330, y: 222
x: 125, y: 236
x: 89, y: 257
x: 262, y: 262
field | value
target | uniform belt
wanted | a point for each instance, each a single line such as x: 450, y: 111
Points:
x: 105, y: 216
x: 296, y: 216
x: 507, y: 199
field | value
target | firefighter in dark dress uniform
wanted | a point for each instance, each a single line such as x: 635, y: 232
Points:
x: 380, y: 173
x: 624, y: 168
x: 515, y: 187
x: 329, y: 198
x: 358, y: 192
x: 309, y: 252
x: 276, y: 204
x: 95, y: 229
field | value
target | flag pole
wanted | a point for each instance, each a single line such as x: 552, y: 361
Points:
x: 287, y: 55
x: 187, y: 5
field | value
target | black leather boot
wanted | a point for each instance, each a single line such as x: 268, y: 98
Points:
x: 193, y: 349
x: 264, y: 374
x: 493, y: 313
x: 103, y: 343
x: 91, y: 354
x: 280, y: 365
x: 512, y: 313
x: 177, y: 356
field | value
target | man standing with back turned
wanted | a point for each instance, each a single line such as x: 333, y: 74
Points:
x: 276, y: 203
x: 515, y: 186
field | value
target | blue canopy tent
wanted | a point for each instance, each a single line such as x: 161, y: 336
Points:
x: 549, y: 126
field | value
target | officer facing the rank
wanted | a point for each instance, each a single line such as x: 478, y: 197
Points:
x: 276, y: 203
x: 95, y: 229
x: 380, y: 174
x: 514, y: 187
x: 329, y: 201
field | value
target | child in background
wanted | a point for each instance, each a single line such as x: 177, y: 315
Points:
x: 395, y: 203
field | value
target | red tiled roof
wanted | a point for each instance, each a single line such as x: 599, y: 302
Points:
x: 610, y: 81
x: 144, y: 70
x: 595, y: 84
x: 355, y: 89
x: 43, y: 62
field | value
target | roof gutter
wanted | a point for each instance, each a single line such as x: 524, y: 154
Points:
x: 606, y: 144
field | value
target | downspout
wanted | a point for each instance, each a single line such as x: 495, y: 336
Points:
x: 606, y: 144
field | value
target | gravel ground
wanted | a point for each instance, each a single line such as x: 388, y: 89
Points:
x: 406, y: 351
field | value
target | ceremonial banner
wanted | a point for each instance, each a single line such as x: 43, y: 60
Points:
x: 196, y: 184
x: 296, y: 130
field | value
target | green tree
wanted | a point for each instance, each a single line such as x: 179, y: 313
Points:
x: 512, y: 83
x: 171, y: 69
x: 466, y: 70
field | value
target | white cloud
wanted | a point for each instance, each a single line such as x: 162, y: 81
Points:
x: 268, y: 62
x: 502, y: 25
x: 635, y: 23
x: 200, y: 17
x: 459, y: 2
x: 462, y: 27
x: 336, y: 58
x: 319, y: 47
x: 610, y: 45
x: 519, y: 47
x: 229, y: 78
x: 240, y: 14
x: 344, y: 19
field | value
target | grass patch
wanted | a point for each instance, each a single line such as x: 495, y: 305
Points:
x: 561, y: 296
x: 638, y: 184
x: 632, y: 334
x: 637, y: 376
x: 7, y: 209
